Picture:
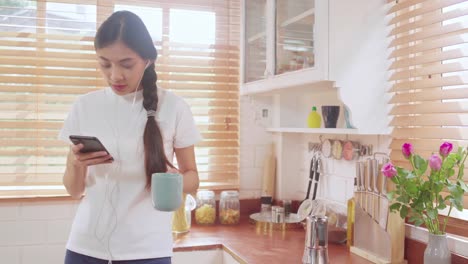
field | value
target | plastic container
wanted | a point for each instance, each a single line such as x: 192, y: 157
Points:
x: 229, y: 208
x: 205, y: 214
x: 314, y: 120
x: 182, y: 217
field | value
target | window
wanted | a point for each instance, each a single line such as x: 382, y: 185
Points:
x: 47, y: 59
x: 429, y: 77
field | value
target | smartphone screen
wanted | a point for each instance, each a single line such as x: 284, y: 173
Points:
x: 90, y: 144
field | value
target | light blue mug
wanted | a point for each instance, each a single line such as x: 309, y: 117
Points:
x: 166, y: 191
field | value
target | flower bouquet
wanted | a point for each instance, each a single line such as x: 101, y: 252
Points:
x: 418, y: 192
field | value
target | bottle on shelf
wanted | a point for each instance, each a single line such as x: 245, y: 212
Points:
x: 314, y: 120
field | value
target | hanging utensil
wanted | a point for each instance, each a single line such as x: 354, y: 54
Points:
x: 369, y: 190
x: 362, y: 172
x: 376, y: 193
x: 384, y: 203
x: 357, y: 194
x: 350, y: 150
x: 317, y: 169
x: 311, y: 176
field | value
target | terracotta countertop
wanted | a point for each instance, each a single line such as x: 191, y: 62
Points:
x: 251, y: 244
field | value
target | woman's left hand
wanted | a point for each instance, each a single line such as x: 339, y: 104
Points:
x: 172, y: 170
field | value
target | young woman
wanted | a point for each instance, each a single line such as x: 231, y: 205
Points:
x: 142, y: 127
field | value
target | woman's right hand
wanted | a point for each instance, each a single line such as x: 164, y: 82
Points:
x: 91, y: 158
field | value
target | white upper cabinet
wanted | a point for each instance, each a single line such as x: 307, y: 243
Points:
x: 285, y: 44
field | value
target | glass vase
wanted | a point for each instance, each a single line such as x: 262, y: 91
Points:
x: 437, y: 251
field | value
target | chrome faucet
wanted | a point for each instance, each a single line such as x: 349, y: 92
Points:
x: 316, y: 240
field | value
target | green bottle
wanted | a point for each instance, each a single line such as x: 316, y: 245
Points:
x: 314, y: 120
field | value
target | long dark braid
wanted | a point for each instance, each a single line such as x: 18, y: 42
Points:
x: 155, y: 157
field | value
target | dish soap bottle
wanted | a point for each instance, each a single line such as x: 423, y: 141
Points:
x: 314, y: 120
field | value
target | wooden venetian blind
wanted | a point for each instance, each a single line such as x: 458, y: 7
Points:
x: 429, y: 49
x: 47, y: 58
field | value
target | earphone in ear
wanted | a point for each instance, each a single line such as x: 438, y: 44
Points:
x: 147, y: 64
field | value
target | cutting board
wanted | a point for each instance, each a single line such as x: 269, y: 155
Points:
x: 269, y: 173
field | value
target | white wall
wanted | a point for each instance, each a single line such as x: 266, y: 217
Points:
x: 358, y: 60
x: 34, y: 232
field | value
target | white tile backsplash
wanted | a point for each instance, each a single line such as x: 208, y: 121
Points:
x: 251, y: 178
x: 58, y: 230
x: 10, y: 255
x: 261, y: 153
x: 9, y: 211
x: 23, y: 232
x: 46, y: 210
x: 42, y: 254
x: 56, y: 253
x: 35, y: 232
x: 247, y: 156
x: 336, y: 188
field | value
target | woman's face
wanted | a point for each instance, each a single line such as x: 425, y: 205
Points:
x: 122, y: 67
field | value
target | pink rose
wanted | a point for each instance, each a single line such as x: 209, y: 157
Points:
x: 445, y: 149
x: 407, y: 150
x: 435, y: 162
x: 389, y: 170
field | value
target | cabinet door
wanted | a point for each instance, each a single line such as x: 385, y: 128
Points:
x: 255, y: 56
x: 295, y: 21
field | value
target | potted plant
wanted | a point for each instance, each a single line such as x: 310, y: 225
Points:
x: 418, y: 193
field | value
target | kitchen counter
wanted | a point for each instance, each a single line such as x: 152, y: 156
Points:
x: 251, y: 244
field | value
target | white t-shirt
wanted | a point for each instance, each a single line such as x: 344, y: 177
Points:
x: 116, y: 217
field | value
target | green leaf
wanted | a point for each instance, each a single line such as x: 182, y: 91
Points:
x: 461, y: 169
x: 403, y: 199
x: 458, y: 203
x: 402, y: 171
x: 418, y: 222
x: 413, y: 218
x: 420, y: 164
x: 463, y: 185
x: 432, y: 213
x: 451, y: 172
x: 411, y: 188
x: 438, y: 187
x: 442, y: 206
x: 390, y: 195
x: 403, y: 212
x: 456, y: 191
x: 395, y: 207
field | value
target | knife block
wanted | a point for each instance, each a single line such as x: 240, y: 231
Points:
x: 376, y: 244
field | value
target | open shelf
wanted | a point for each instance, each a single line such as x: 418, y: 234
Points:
x: 306, y: 78
x: 313, y: 130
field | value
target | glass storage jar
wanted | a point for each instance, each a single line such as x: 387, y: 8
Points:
x: 205, y: 214
x: 229, y: 208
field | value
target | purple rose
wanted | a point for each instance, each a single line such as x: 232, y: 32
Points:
x: 445, y: 149
x: 435, y: 162
x: 389, y: 170
x: 407, y: 150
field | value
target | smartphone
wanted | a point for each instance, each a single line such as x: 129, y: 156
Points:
x: 90, y: 144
